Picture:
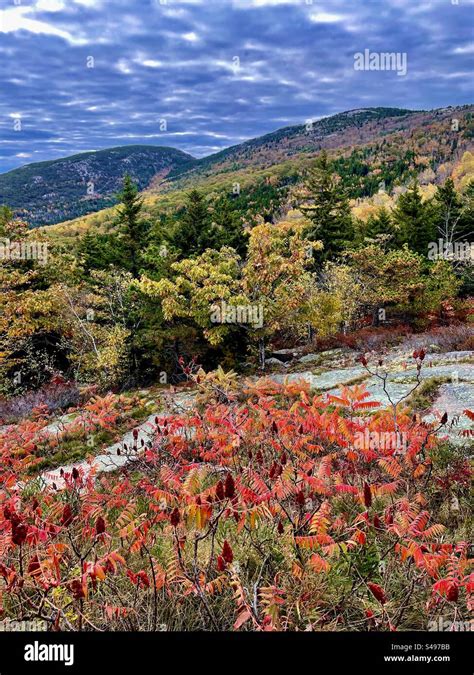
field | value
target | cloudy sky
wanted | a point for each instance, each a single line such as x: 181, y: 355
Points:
x: 201, y: 75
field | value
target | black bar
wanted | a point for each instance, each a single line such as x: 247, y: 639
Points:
x: 137, y: 653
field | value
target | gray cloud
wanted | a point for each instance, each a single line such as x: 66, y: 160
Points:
x: 88, y: 74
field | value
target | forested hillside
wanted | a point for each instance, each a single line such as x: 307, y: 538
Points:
x: 372, y: 146
x: 49, y: 192
x: 260, y: 178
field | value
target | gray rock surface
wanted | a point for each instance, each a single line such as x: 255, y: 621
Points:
x: 309, y: 358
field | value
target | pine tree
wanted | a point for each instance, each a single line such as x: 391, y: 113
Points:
x: 415, y: 220
x: 131, y: 226
x: 330, y: 212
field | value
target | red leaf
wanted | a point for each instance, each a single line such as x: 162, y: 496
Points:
x: 67, y: 516
x: 100, y: 525
x: 220, y: 491
x: 77, y: 589
x: 453, y: 593
x: 300, y: 498
x: 227, y: 553
x: 378, y: 592
x: 242, y: 618
x: 229, y: 488
x: 19, y: 532
x: 175, y: 517
x: 367, y: 495
x: 34, y: 566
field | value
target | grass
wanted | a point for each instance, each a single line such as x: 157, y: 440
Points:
x: 426, y: 393
x: 75, y: 447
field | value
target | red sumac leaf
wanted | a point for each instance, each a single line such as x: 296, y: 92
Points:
x: 66, y: 518
x: 367, y: 495
x: 19, y: 532
x: 220, y: 494
x: 453, y: 593
x: 175, y: 517
x: 378, y: 592
x: 227, y: 553
x: 100, y: 525
x: 229, y: 487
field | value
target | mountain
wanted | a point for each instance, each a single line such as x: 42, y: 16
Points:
x: 56, y: 190
x: 370, y: 145
x: 387, y: 127
x: 351, y: 127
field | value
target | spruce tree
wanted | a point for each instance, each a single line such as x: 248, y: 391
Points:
x: 330, y: 212
x: 131, y: 226
x: 100, y: 251
x: 466, y: 225
x: 415, y: 220
x: 193, y: 233
x: 89, y: 251
x: 229, y: 229
x: 6, y: 217
x: 378, y: 224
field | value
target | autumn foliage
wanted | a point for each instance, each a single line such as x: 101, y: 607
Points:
x: 264, y: 512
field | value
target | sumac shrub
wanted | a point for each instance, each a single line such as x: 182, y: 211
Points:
x: 278, y: 511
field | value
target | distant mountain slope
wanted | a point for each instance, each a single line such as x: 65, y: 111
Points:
x: 371, y: 145
x: 347, y: 130
x: 341, y: 129
x: 56, y: 190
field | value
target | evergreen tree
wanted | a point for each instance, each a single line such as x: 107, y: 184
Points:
x: 132, y: 228
x: 193, y: 233
x: 229, y: 229
x: 11, y: 227
x: 415, y: 220
x: 330, y: 212
x: 447, y: 210
x: 466, y: 226
x: 100, y: 251
x: 89, y: 251
x: 378, y: 224
x: 6, y: 217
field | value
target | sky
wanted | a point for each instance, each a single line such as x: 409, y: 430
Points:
x: 201, y: 75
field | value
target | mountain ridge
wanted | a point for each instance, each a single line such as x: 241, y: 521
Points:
x: 54, y: 190
x: 176, y: 169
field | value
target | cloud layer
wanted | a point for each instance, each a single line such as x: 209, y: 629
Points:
x: 201, y: 75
